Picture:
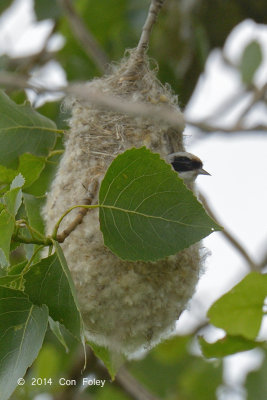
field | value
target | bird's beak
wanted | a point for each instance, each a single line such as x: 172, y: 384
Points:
x: 203, y: 172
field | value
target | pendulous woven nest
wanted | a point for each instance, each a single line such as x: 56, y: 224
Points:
x: 126, y: 306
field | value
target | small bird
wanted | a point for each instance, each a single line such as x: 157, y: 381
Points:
x: 187, y: 165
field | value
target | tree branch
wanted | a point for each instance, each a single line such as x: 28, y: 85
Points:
x: 234, y: 242
x: 85, y: 37
x: 212, y: 129
x: 155, y: 112
x: 152, y: 16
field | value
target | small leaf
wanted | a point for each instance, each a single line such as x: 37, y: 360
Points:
x: 49, y: 282
x: 7, y: 224
x: 240, y: 311
x: 33, y: 206
x: 22, y: 129
x: 226, y: 346
x: 146, y: 211
x: 6, y: 174
x: 112, y: 360
x: 17, y: 182
x: 22, y: 329
x: 55, y: 328
x: 11, y: 281
x: 13, y: 198
x: 30, y: 166
x: 250, y: 62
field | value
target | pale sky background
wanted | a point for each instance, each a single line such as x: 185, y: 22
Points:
x: 237, y: 189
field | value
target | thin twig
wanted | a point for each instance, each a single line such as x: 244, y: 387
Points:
x: 234, y: 242
x: 132, y: 387
x: 82, y: 33
x: 92, y: 191
x: 156, y: 113
x: 208, y: 128
x: 153, y: 12
x: 226, y: 105
x: 258, y: 95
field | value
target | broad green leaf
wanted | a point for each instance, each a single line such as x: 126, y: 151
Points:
x: 250, y: 62
x: 7, y: 224
x: 226, y: 346
x: 240, y: 311
x: 256, y: 383
x: 46, y: 9
x: 146, y: 211
x: 33, y: 206
x: 7, y: 174
x: 30, y: 166
x: 49, y: 282
x: 22, y: 129
x: 56, y: 329
x: 112, y: 360
x: 22, y: 329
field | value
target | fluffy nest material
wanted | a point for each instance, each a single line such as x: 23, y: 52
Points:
x: 126, y: 306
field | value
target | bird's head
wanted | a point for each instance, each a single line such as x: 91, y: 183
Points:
x: 187, y: 165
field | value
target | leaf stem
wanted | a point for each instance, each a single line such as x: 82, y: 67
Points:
x: 46, y: 241
x: 55, y: 235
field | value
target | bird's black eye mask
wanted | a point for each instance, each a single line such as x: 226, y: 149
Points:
x: 183, y: 164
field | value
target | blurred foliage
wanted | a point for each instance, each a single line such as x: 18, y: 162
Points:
x: 256, y: 382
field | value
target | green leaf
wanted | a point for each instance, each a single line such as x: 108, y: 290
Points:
x: 17, y: 182
x: 256, y: 383
x: 30, y: 166
x: 46, y: 9
x: 49, y: 282
x: 56, y: 329
x: 17, y: 268
x: 7, y: 224
x: 240, y: 311
x: 41, y: 186
x: 11, y: 281
x: 22, y: 329
x: 226, y: 346
x: 22, y: 129
x: 33, y: 206
x: 6, y: 174
x: 250, y: 62
x: 112, y: 360
x: 146, y: 211
x: 13, y: 198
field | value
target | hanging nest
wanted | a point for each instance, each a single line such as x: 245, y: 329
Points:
x: 126, y: 306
